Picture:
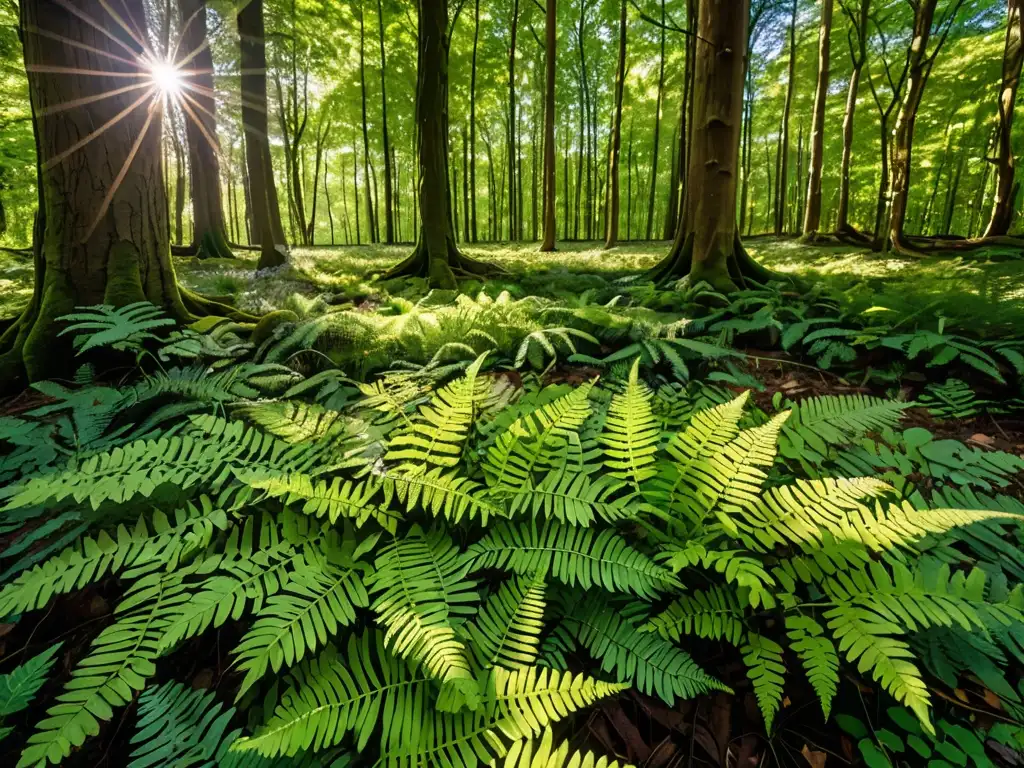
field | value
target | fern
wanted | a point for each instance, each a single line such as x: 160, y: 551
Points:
x: 713, y: 613
x: 542, y: 753
x: 573, y: 556
x: 818, y: 655
x: 180, y: 727
x: 817, y: 423
x: 575, y: 499
x: 631, y: 432
x: 19, y: 686
x: 506, y: 632
x: 121, y: 328
x: 766, y: 669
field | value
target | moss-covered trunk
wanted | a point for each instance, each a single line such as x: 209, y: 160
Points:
x: 200, y: 108
x: 707, y: 246
x: 436, y: 256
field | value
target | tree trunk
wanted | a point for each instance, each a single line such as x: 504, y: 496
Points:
x: 327, y: 195
x: 565, y: 187
x: 389, y: 216
x: 550, y: 60
x: 371, y: 221
x: 782, y: 166
x: 858, y: 55
x: 979, y: 196
x: 179, y: 191
x: 512, y: 212
x: 465, y: 184
x: 657, y: 131
x: 612, y: 197
x: 812, y: 211
x: 951, y: 191
x: 355, y: 190
x: 267, y: 230
x: 101, y: 233
x: 436, y: 257
x: 629, y: 184
x: 472, y: 118
x: 344, y: 204
x: 1013, y: 56
x: 708, y: 247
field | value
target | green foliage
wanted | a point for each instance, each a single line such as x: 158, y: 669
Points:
x: 122, y: 328
x: 19, y: 686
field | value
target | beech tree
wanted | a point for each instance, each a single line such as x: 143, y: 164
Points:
x: 812, y: 211
x: 707, y: 246
x: 436, y: 257
x: 101, y: 233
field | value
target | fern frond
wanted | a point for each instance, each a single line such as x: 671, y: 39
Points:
x: 323, y: 595
x: 833, y: 420
x: 120, y: 659
x: 442, y: 493
x: 147, y: 544
x: 573, y: 556
x: 181, y: 727
x: 19, y: 686
x: 766, y: 669
x: 437, y: 435
x: 537, y: 441
x: 542, y: 753
x: 422, y: 595
x: 644, y: 660
x: 713, y: 613
x: 575, y: 499
x: 297, y: 422
x: 818, y: 655
x: 506, y: 631
x: 631, y: 432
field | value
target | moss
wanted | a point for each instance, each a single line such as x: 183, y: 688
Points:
x: 45, y: 354
x: 265, y: 327
x: 124, y: 283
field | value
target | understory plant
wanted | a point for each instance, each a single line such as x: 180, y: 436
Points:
x: 419, y: 572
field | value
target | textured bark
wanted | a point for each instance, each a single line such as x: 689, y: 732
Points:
x: 101, y: 233
x: 612, y: 197
x: 858, y: 39
x: 199, y: 105
x: 550, y: 59
x: 708, y: 247
x: 782, y: 163
x: 436, y: 256
x: 389, y: 214
x: 812, y: 211
x: 1013, y: 57
x: 265, y: 216
x: 371, y: 221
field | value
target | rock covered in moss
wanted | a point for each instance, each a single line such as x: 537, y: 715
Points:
x: 265, y: 327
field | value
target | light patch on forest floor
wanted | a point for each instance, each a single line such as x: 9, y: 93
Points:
x: 986, y: 296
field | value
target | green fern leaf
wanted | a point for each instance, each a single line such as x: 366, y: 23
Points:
x: 714, y: 613
x: 575, y: 499
x: 631, y: 433
x: 442, y: 493
x: 19, y: 686
x: 506, y: 631
x: 180, y: 727
x: 765, y: 668
x: 573, y: 556
x: 818, y: 655
x: 542, y: 753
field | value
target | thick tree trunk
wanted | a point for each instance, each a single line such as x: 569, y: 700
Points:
x: 708, y: 248
x: 389, y: 216
x: 812, y: 211
x: 436, y: 257
x: 199, y: 105
x: 612, y: 197
x: 782, y: 165
x: 101, y: 234
x: 550, y: 59
x: 1013, y: 56
x: 267, y: 229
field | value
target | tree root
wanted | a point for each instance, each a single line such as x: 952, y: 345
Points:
x: 442, y: 271
x: 199, y: 306
x: 741, y: 270
x: 915, y: 246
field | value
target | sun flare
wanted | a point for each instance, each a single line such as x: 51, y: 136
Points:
x: 166, y: 77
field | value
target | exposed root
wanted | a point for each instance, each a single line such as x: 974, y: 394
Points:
x: 199, y: 306
x: 741, y: 271
x: 917, y: 246
x: 442, y: 271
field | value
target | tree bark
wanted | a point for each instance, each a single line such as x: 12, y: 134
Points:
x: 327, y: 195
x: 389, y: 216
x: 550, y: 60
x: 472, y: 118
x: 101, y: 233
x: 265, y: 216
x: 465, y: 184
x: 512, y: 212
x: 782, y: 165
x: 612, y: 197
x: 858, y: 40
x: 812, y: 211
x: 436, y: 256
x: 708, y: 247
x: 1013, y: 56
x: 371, y: 221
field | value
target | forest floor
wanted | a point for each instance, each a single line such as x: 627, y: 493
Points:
x: 982, y: 291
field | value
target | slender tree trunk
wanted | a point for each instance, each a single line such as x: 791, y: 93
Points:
x: 979, y: 196
x: 344, y: 204
x: 858, y: 55
x: 672, y: 211
x: 267, y: 229
x: 657, y: 131
x: 951, y: 192
x: 629, y: 184
x: 612, y: 197
x: 375, y: 190
x: 179, y: 190
x: 1013, y: 56
x: 327, y: 196
x: 769, y: 210
x: 371, y: 221
x: 355, y: 191
x: 389, y: 217
x: 512, y: 212
x: 550, y: 59
x: 534, y: 140
x: 565, y: 189
x: 782, y: 166
x: 812, y: 211
x: 472, y: 118
x: 796, y: 202
x: 465, y: 184
x: 579, y: 166
x: 745, y: 147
